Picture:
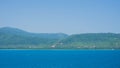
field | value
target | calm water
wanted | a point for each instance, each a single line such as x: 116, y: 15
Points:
x: 59, y: 58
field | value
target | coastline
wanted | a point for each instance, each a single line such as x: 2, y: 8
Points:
x: 62, y: 49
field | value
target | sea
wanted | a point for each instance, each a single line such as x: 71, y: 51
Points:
x: 13, y: 58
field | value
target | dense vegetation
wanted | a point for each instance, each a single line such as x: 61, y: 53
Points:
x: 16, y: 38
x: 91, y: 40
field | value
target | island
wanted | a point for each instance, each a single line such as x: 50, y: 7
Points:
x: 14, y: 38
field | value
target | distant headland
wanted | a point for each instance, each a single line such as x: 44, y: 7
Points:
x: 13, y: 38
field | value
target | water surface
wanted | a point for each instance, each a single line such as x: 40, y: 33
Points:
x: 59, y: 58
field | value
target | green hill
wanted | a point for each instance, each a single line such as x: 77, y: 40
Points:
x: 91, y: 41
x: 16, y: 38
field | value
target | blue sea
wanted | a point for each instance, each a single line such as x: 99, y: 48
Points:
x: 59, y: 58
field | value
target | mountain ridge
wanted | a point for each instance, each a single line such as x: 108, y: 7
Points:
x: 17, y: 38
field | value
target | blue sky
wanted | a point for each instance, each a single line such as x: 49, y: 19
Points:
x: 66, y: 16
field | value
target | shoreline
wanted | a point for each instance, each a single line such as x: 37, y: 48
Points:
x: 60, y: 49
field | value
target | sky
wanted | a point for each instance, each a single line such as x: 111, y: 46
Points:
x: 61, y: 16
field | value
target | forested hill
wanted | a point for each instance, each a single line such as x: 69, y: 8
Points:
x: 16, y: 38
x: 91, y: 41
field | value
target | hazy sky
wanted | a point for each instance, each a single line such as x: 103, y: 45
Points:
x: 66, y: 16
